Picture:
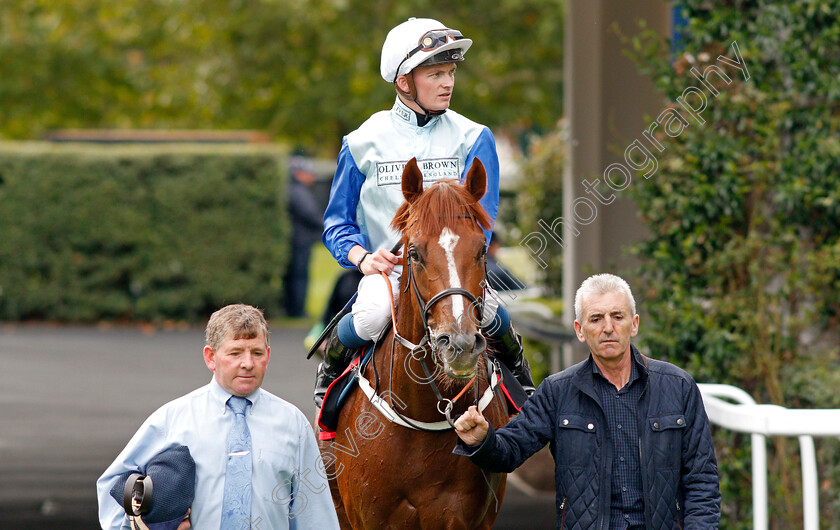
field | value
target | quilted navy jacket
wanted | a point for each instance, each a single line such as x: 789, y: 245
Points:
x: 679, y: 470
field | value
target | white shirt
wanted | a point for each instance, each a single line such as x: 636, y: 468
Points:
x: 289, y: 488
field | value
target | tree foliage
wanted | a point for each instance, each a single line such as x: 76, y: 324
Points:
x: 306, y: 71
x: 540, y: 196
x: 741, y: 274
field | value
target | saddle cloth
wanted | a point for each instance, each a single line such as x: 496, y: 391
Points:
x: 337, y: 394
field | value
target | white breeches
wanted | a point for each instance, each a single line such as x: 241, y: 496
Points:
x: 371, y: 310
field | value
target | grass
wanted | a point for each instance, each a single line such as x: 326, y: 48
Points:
x: 323, y: 272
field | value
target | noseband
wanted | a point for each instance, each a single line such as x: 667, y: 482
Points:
x: 425, y: 307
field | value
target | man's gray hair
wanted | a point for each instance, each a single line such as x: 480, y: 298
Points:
x: 236, y: 321
x: 601, y: 284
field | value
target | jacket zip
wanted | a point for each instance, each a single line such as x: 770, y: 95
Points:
x: 642, y: 471
x: 679, y: 525
x: 563, y: 509
x: 642, y: 467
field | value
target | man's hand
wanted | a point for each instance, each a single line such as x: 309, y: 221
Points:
x: 471, y: 427
x: 380, y: 261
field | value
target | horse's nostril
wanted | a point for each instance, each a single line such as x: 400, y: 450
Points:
x: 456, y: 346
x: 442, y: 342
x: 480, y: 343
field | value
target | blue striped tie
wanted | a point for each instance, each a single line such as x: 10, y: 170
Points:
x: 236, y: 505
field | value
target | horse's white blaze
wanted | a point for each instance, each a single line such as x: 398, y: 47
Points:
x: 447, y: 241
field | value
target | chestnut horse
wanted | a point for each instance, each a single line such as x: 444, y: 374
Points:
x: 391, y: 463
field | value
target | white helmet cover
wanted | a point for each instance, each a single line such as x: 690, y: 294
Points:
x: 405, y: 38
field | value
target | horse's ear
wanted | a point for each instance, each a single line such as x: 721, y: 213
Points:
x: 412, y: 181
x: 476, y: 182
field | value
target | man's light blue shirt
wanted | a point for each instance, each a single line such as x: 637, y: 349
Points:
x: 289, y: 488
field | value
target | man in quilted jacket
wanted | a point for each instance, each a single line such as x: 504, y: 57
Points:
x: 629, y: 435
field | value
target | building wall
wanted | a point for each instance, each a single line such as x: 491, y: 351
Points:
x: 606, y: 102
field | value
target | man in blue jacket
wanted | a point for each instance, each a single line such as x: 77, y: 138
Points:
x: 630, y: 438
x: 419, y: 57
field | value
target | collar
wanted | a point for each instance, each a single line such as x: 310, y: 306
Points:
x: 585, y: 369
x: 640, y: 361
x: 221, y: 396
x: 406, y: 114
x: 634, y: 370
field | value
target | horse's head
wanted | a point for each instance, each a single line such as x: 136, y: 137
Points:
x: 444, y: 251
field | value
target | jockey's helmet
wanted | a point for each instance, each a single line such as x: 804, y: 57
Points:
x: 420, y: 42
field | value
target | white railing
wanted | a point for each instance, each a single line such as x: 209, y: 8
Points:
x: 772, y: 420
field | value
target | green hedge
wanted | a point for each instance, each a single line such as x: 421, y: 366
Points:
x: 145, y: 232
x: 740, y: 276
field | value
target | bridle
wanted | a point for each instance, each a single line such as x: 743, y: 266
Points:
x: 386, y: 407
x: 425, y: 307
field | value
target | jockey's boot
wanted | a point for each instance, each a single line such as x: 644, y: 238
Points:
x: 508, y: 349
x: 336, y: 356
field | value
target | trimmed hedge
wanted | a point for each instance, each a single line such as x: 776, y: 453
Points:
x: 139, y: 232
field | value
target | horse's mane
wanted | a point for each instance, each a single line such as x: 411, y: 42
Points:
x: 439, y: 206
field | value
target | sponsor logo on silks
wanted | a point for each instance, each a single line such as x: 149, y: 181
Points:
x: 402, y: 112
x: 433, y: 169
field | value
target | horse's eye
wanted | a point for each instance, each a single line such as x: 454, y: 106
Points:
x: 413, y: 255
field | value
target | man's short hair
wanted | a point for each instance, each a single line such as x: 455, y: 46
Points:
x: 237, y: 321
x: 601, y: 284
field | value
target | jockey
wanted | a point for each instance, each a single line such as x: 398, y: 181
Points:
x: 419, y: 57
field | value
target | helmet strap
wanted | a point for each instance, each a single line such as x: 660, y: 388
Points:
x: 411, y: 95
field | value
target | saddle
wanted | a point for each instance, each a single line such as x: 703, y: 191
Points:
x: 511, y: 391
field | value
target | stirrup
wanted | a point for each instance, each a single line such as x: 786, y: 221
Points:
x: 522, y: 373
x: 323, y: 379
x: 508, y: 349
